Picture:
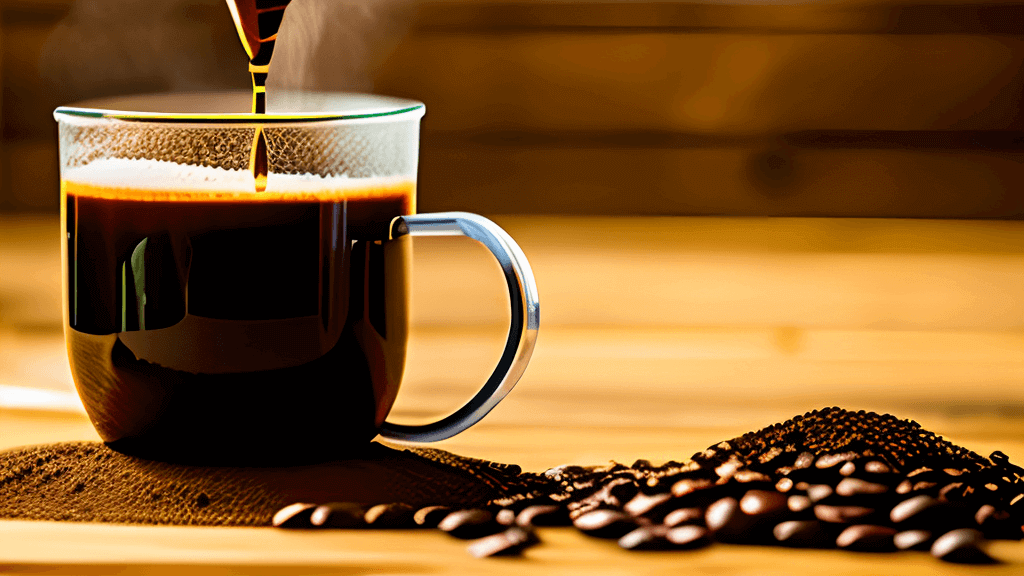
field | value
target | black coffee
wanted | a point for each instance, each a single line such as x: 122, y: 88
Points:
x: 236, y: 327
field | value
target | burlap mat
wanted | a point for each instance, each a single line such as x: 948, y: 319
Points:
x: 89, y: 482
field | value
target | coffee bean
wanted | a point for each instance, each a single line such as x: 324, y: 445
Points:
x: 911, y: 510
x: 644, y: 505
x: 924, y: 470
x: 294, y: 516
x: 784, y: 485
x: 394, y: 515
x: 831, y: 460
x: 803, y: 460
x: 799, y: 503
x: 543, y: 515
x: 923, y: 486
x: 848, y: 469
x: 913, y: 540
x: 642, y: 464
x: 951, y: 491
x: 505, y: 517
x: 605, y: 523
x: 962, y: 546
x: 469, y: 524
x: 429, y: 516
x: 750, y: 477
x: 684, y: 516
x: 842, y: 514
x: 624, y: 489
x: 762, y: 502
x: 728, y: 523
x: 509, y: 542
x: 996, y: 523
x: 876, y: 467
x: 867, y: 538
x: 338, y: 515
x: 646, y: 538
x: 904, y: 487
x: 688, y: 537
x: 858, y: 487
x: 818, y: 492
x: 804, y: 534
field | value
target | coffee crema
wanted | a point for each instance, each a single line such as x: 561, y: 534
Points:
x: 191, y: 299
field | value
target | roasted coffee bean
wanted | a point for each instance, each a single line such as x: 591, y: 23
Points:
x: 913, y: 510
x: 651, y: 506
x: 750, y: 477
x: 858, y: 487
x: 728, y: 523
x: 430, y: 516
x: 394, y: 515
x: 624, y: 489
x: 803, y: 460
x: 543, y: 515
x: 799, y: 503
x: 505, y: 516
x: 962, y: 546
x: 646, y: 538
x: 804, y: 534
x: 952, y: 491
x: 848, y: 469
x: 469, y: 524
x: 605, y: 523
x: 294, y: 516
x: 642, y: 464
x: 843, y: 514
x: 509, y: 542
x: 684, y: 516
x: 691, y: 493
x: 876, y: 467
x: 784, y: 485
x: 818, y: 492
x: 905, y: 487
x: 763, y: 503
x: 867, y: 538
x: 996, y: 523
x: 338, y: 515
x: 688, y: 537
x: 913, y: 540
x: 831, y: 460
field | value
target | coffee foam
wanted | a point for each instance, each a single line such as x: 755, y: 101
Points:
x: 162, y: 180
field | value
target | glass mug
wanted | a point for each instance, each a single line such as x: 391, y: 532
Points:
x: 208, y: 322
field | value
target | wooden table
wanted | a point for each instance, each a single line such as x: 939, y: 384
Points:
x: 659, y: 338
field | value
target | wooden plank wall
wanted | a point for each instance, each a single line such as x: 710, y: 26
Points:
x: 845, y: 108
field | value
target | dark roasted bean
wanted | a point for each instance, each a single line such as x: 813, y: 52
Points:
x: 684, y: 516
x: 543, y: 515
x: 394, y: 515
x: 642, y: 464
x: 430, y: 516
x: 848, y: 469
x: 509, y: 542
x: 831, y: 460
x: 505, y: 517
x: 469, y: 524
x: 952, y: 490
x: 867, y: 538
x: 876, y: 467
x: 804, y: 533
x: 750, y: 477
x: 646, y: 538
x: 644, y: 505
x: 728, y: 523
x: 996, y: 523
x: 912, y: 509
x: 624, y: 490
x: 913, y: 540
x: 784, y: 485
x: 338, y: 515
x: 858, y: 487
x: 803, y: 460
x: 798, y: 503
x: 688, y: 537
x: 905, y: 487
x: 842, y: 514
x: 962, y: 546
x: 762, y: 502
x: 818, y: 492
x: 294, y: 516
x: 605, y: 523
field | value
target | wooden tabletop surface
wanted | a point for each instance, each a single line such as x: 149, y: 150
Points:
x: 659, y: 337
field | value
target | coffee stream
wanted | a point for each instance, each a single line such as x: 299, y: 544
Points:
x: 258, y: 22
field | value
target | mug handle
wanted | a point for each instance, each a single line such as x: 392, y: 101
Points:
x: 522, y: 331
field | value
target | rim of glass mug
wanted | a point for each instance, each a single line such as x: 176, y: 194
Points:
x: 284, y: 107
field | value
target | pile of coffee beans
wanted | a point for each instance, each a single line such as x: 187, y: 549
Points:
x: 831, y: 478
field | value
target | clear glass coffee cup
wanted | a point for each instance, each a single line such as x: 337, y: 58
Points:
x: 208, y: 322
